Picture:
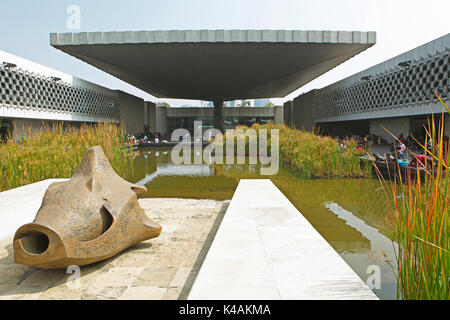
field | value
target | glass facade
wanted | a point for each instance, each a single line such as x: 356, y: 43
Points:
x: 174, y: 123
x: 232, y: 122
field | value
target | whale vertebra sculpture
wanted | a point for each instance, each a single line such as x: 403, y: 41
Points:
x: 89, y: 218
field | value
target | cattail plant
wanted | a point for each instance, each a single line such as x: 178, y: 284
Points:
x: 55, y: 152
x: 421, y: 210
x: 309, y: 155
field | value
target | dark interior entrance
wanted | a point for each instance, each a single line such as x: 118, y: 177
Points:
x: 418, y: 125
x: 344, y: 128
x: 5, y: 129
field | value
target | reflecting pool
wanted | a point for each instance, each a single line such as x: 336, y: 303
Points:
x: 353, y: 215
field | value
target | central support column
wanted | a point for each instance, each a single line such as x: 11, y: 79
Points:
x: 218, y: 115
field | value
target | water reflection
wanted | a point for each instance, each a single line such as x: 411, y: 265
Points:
x: 380, y: 252
x: 351, y: 214
x: 196, y: 170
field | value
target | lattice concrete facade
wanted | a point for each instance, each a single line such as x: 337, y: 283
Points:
x: 28, y: 90
x: 401, y: 86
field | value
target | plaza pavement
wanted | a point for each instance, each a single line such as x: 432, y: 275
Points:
x: 161, y: 268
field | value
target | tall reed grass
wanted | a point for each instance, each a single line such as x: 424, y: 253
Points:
x: 309, y: 155
x: 55, y: 152
x: 421, y: 211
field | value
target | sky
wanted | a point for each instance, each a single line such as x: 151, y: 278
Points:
x: 401, y: 25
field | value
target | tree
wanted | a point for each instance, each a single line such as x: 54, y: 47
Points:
x: 269, y: 105
x: 163, y: 104
x: 244, y: 103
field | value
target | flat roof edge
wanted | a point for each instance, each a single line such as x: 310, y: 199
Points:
x: 213, y: 36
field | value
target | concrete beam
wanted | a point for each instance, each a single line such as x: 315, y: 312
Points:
x: 211, y: 64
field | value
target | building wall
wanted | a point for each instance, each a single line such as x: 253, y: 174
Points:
x: 233, y: 116
x: 396, y: 126
x: 397, y: 93
x: 23, y: 128
x: 161, y: 120
x: 227, y: 112
x: 288, y: 113
x: 146, y: 117
x: 131, y: 112
x: 278, y: 115
x: 447, y: 125
x: 192, y: 112
x: 32, y: 91
x: 303, y: 111
x: 401, y: 86
x: 157, y: 118
x: 151, y: 113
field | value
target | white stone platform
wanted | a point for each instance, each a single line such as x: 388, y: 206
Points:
x: 266, y: 249
x: 19, y: 206
x: 160, y: 268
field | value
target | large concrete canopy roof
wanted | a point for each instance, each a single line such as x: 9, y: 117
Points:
x: 215, y: 64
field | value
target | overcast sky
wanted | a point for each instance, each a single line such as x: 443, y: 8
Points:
x: 401, y: 25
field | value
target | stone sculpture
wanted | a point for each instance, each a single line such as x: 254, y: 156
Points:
x: 89, y: 218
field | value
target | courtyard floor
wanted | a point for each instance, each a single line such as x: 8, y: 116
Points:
x: 161, y: 268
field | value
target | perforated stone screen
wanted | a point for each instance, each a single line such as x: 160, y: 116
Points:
x: 397, y: 88
x: 23, y: 89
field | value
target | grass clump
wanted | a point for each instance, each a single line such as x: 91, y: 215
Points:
x: 309, y: 155
x: 421, y: 211
x: 54, y: 152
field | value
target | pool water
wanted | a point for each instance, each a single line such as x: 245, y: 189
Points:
x: 353, y: 215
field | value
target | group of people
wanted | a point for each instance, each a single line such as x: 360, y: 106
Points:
x: 369, y: 139
x: 407, y: 151
x: 401, y: 145
x: 143, y: 138
x: 410, y: 142
x: 146, y: 154
x: 362, y: 142
x: 417, y: 145
x: 419, y: 156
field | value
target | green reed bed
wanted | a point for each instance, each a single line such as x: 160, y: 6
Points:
x: 55, y: 152
x: 309, y: 155
x: 422, y: 226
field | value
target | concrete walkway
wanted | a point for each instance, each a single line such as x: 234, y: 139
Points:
x: 265, y: 249
x: 160, y: 268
